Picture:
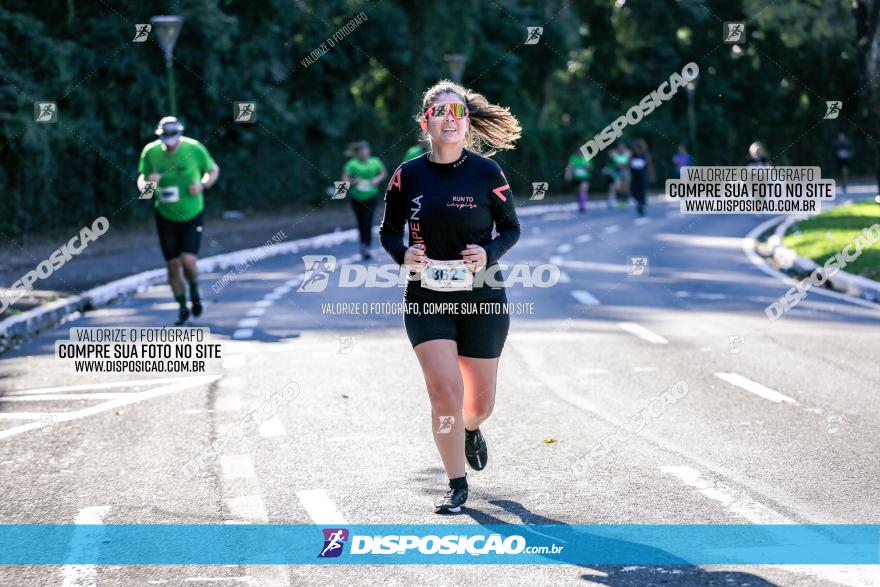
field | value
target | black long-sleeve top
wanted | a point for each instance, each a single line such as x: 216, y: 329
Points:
x: 447, y: 206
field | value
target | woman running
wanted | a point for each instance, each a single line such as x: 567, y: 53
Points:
x: 452, y: 198
x: 364, y: 173
x: 578, y: 173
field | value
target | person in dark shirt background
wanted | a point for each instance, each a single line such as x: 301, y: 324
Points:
x: 843, y: 153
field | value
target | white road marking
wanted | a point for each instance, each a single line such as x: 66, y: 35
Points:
x: 739, y: 502
x: 242, y: 333
x: 755, y: 387
x: 611, y: 229
x: 88, y: 386
x: 641, y: 221
x: 293, y: 282
x: 49, y: 397
x: 710, y: 296
x: 237, y: 467
x: 642, y: 332
x: 248, y: 322
x: 564, y: 277
x: 556, y: 260
x: 129, y: 398
x: 584, y: 238
x: 682, y: 294
x: 247, y: 508
x: 83, y: 575
x: 760, y: 299
x: 736, y: 501
x: 26, y: 415
x: 320, y: 507
x: 246, y: 579
x: 282, y: 290
x: 270, y: 427
x: 563, y: 248
x: 585, y: 298
x: 256, y: 312
x: 263, y: 303
x: 233, y: 362
x: 272, y: 296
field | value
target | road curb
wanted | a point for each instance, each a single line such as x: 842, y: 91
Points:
x: 801, y: 267
x: 17, y: 328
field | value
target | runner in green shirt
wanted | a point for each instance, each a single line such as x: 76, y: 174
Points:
x: 417, y: 150
x: 175, y: 171
x: 578, y: 172
x: 364, y: 173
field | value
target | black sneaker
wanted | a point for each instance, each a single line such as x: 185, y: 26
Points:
x: 452, y: 501
x: 182, y: 317
x: 475, y: 449
x: 197, y: 308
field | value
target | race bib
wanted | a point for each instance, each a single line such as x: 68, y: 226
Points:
x: 364, y: 185
x: 638, y: 163
x: 580, y: 172
x: 169, y: 195
x: 447, y: 276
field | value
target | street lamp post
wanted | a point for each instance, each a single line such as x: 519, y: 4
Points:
x: 167, y: 30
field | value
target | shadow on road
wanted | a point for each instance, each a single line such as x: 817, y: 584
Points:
x: 681, y: 573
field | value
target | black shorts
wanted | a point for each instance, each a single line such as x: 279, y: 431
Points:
x: 179, y: 237
x: 479, y: 328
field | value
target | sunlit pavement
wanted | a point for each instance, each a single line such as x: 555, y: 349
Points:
x: 779, y: 422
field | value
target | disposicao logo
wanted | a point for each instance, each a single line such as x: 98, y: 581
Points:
x: 334, y: 542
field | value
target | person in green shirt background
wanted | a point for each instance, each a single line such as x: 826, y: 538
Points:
x: 417, y: 150
x: 578, y: 172
x: 363, y: 173
x: 178, y: 170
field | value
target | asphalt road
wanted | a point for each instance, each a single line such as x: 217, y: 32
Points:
x: 779, y: 422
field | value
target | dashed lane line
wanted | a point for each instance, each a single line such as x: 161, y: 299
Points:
x: 83, y: 575
x: 320, y: 507
x: 585, y: 297
x: 754, y: 387
x: 642, y: 332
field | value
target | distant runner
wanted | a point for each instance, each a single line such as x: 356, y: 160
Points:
x: 417, y: 150
x: 578, y: 173
x: 181, y: 169
x: 681, y: 159
x: 843, y: 153
x: 618, y: 173
x: 642, y: 169
x: 757, y: 157
x: 364, y: 173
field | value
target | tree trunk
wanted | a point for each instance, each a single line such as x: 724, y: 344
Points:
x: 866, y: 14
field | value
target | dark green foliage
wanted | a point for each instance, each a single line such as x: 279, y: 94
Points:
x: 593, y: 62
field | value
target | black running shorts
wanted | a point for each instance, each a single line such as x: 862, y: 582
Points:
x: 479, y: 328
x: 179, y: 237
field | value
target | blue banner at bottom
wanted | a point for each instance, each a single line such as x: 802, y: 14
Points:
x: 659, y: 544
